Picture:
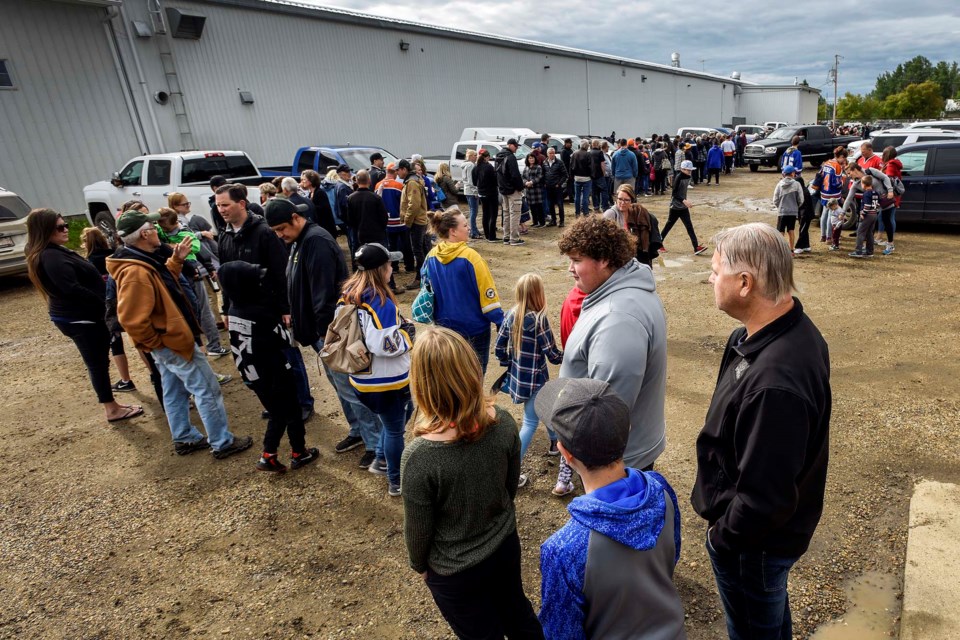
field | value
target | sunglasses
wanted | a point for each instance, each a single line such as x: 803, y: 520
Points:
x: 62, y: 227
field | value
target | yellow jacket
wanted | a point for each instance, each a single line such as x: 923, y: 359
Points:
x: 413, y: 202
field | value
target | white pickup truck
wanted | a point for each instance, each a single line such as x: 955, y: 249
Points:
x: 458, y: 155
x: 152, y: 178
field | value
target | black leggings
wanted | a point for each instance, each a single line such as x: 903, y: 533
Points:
x: 490, y: 211
x: 660, y: 181
x: 277, y: 391
x: 93, y: 342
x: 683, y: 215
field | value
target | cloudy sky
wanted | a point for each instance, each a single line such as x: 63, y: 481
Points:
x: 749, y: 36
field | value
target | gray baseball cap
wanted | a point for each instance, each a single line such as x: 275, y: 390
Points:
x: 589, y: 418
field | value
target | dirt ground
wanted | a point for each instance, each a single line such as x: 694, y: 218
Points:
x: 107, y: 534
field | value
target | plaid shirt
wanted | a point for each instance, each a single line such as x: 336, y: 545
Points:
x: 527, y: 370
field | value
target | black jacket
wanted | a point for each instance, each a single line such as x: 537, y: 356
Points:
x: 509, y: 179
x: 762, y: 454
x: 565, y: 155
x: 311, y: 212
x: 368, y: 216
x: 485, y: 177
x: 554, y: 175
x: 581, y: 165
x: 75, y: 289
x: 323, y: 212
x: 218, y: 220
x: 316, y: 271
x: 376, y: 175
x: 597, y: 160
x: 256, y: 243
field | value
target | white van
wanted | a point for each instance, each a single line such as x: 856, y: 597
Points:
x: 896, y: 137
x: 13, y: 233
x: 952, y: 125
x: 497, y: 133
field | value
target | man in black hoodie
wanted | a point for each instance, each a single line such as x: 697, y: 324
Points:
x: 315, y: 272
x: 510, y: 184
x: 247, y: 237
x: 762, y: 453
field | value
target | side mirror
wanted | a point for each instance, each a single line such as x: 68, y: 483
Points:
x: 115, y: 179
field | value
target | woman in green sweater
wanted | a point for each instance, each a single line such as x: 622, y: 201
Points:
x: 459, y: 478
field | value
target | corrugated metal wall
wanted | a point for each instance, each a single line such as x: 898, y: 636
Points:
x: 788, y: 104
x: 316, y: 82
x: 66, y: 124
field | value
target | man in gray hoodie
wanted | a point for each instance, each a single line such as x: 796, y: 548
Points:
x: 621, y: 334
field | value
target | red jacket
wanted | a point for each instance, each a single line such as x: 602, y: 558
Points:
x: 894, y: 169
x: 569, y: 313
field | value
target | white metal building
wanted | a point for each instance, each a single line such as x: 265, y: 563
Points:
x: 87, y: 84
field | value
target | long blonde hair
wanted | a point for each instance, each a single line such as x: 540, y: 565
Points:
x: 443, y: 169
x: 530, y: 296
x: 447, y: 385
x: 375, y: 279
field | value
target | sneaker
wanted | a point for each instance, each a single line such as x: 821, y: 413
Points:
x: 553, y: 450
x: 224, y: 378
x: 124, y: 386
x: 662, y: 250
x: 238, y: 445
x: 217, y: 353
x: 807, y: 250
x: 304, y: 458
x: 378, y: 467
x: 699, y: 250
x: 367, y: 459
x: 264, y: 415
x: 398, y: 289
x: 522, y: 481
x: 856, y: 254
x: 393, y: 490
x: 270, y: 462
x: 517, y: 243
x: 506, y: 241
x: 797, y: 252
x: 823, y: 238
x: 563, y: 489
x: 493, y: 240
x: 186, y: 448
x: 348, y: 443
x: 834, y: 247
x: 890, y: 249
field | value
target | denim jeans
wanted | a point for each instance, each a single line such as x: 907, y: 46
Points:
x: 753, y: 590
x: 581, y: 197
x: 530, y: 422
x: 299, y: 370
x: 481, y: 346
x: 181, y: 379
x: 208, y: 324
x: 363, y: 424
x: 392, y: 409
x: 601, y: 194
x: 474, y: 203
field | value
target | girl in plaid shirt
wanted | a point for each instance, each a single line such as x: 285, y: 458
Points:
x: 524, y: 348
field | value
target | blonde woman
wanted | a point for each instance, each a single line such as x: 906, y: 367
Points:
x: 470, y: 191
x: 466, y: 297
x: 443, y: 179
x: 460, y: 478
x: 268, y: 191
x: 383, y: 387
x: 524, y: 344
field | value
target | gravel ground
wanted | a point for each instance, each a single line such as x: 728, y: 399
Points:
x: 107, y: 534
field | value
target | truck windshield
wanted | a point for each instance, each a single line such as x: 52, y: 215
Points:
x: 783, y: 133
x: 13, y: 207
x: 200, y: 170
x: 359, y: 157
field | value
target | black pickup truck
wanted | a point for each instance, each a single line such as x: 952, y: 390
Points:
x: 816, y: 144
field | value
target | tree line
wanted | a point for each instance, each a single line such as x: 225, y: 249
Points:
x: 916, y: 89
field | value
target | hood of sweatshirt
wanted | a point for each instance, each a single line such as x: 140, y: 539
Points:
x: 242, y: 281
x: 448, y: 251
x: 632, y: 275
x: 630, y: 511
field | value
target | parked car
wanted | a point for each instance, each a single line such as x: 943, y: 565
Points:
x: 13, y: 233
x: 931, y: 175
x: 953, y: 125
x: 898, y: 137
x: 753, y: 131
x: 696, y: 131
x: 556, y: 140
x: 816, y: 144
x: 497, y: 133
x: 458, y: 154
x: 773, y: 125
x: 151, y: 178
x: 323, y: 158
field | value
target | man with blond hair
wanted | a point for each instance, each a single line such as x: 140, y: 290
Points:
x: 762, y: 453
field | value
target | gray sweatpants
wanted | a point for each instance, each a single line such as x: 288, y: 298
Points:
x: 208, y: 324
x: 868, y: 222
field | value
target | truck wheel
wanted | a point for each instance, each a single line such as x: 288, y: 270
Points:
x: 105, y: 222
x: 815, y: 163
x: 852, y: 222
x: 754, y: 168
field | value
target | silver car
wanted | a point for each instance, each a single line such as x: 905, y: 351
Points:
x: 13, y: 233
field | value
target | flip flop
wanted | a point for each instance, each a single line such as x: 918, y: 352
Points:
x: 131, y: 412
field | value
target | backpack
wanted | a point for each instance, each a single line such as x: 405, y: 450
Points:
x: 344, y: 350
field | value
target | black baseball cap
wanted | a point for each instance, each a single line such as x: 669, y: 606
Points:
x: 343, y: 167
x: 280, y: 211
x: 376, y: 155
x: 589, y: 418
x: 512, y: 141
x: 374, y: 255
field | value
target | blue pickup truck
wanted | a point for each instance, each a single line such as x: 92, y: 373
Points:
x: 323, y: 158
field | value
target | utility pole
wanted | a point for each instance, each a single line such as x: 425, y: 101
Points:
x: 836, y: 66
x: 703, y: 63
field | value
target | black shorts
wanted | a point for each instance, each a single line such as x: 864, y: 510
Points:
x: 116, y: 344
x: 786, y: 223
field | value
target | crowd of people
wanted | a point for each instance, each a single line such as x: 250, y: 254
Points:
x: 280, y: 281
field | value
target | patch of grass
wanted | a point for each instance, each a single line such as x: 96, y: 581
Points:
x: 77, y: 225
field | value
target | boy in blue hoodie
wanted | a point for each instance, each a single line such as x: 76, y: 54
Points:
x: 608, y: 572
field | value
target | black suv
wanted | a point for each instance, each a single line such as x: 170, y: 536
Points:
x: 931, y: 175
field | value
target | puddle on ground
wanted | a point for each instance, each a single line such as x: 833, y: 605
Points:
x: 872, y: 609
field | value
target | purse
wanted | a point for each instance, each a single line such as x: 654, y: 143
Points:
x: 423, y: 304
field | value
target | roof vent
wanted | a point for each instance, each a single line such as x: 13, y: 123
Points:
x: 675, y: 59
x: 735, y: 75
x: 185, y: 25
